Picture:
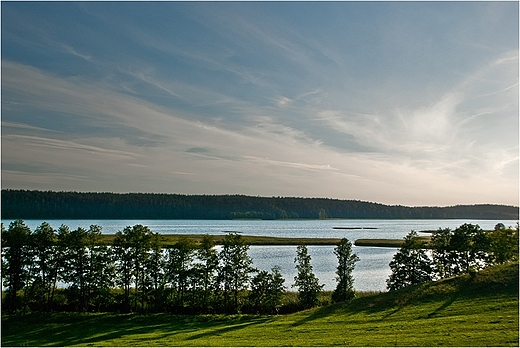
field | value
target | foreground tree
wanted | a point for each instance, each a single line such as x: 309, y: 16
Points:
x: 179, y: 268
x: 206, y: 269
x: 266, y: 291
x: 468, y: 245
x: 100, y: 270
x: 410, y: 265
x: 16, y: 260
x: 444, y: 260
x: 45, y: 270
x: 132, y: 248
x: 346, y: 262
x: 155, y: 274
x: 235, y: 269
x: 75, y: 258
x: 503, y: 244
x: 306, y: 282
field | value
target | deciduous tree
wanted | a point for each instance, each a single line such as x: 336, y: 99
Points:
x: 306, y: 282
x: 266, y: 291
x: 235, y: 268
x: 346, y: 262
x: 178, y: 268
x: 206, y: 269
x: 410, y: 265
x: 46, y: 261
x: 16, y: 260
x: 503, y: 245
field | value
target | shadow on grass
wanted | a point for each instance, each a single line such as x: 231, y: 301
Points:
x: 62, y: 329
x: 230, y: 327
x: 377, y: 303
x: 66, y: 329
x: 390, y: 303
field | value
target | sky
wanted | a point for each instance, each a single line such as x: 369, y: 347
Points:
x: 408, y: 103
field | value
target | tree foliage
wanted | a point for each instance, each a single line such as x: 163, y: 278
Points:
x: 306, y: 281
x: 135, y: 274
x: 16, y: 261
x: 179, y: 269
x: 266, y: 291
x: 206, y: 269
x: 346, y: 262
x: 234, y: 271
x: 466, y: 249
x: 410, y: 265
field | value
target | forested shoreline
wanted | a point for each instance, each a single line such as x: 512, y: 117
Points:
x: 26, y: 204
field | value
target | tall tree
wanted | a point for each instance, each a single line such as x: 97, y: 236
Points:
x: 123, y: 258
x: 75, y: 265
x: 206, y: 268
x: 410, y: 265
x: 132, y: 248
x: 100, y: 269
x: 468, y: 244
x: 235, y: 269
x: 179, y: 266
x: 346, y: 262
x: 155, y: 277
x: 45, y: 272
x: 266, y: 291
x: 16, y: 260
x: 503, y: 245
x: 306, y: 281
x: 444, y: 260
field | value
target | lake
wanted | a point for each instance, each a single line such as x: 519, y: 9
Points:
x: 369, y: 275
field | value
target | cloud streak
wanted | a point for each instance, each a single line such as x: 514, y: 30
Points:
x: 216, y: 101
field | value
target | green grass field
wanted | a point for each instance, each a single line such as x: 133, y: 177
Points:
x: 479, y: 310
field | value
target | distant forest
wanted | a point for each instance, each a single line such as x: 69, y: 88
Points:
x: 23, y: 204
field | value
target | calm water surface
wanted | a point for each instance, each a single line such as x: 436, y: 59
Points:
x: 370, y: 273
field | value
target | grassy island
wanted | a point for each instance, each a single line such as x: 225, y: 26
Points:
x: 168, y: 240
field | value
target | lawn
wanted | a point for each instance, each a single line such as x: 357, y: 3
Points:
x: 479, y: 310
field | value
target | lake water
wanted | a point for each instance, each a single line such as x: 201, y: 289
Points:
x: 370, y: 272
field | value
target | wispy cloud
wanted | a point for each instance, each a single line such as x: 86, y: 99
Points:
x: 210, y: 100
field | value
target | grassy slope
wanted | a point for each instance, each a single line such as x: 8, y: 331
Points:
x: 478, y: 311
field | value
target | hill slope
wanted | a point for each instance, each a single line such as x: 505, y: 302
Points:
x: 20, y: 204
x: 467, y: 311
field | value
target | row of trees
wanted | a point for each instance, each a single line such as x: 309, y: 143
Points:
x: 74, y: 270
x: 466, y: 249
x: 89, y: 205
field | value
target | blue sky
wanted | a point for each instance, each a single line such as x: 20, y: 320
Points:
x: 412, y: 103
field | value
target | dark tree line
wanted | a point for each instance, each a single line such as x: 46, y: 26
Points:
x: 466, y: 249
x: 22, y: 204
x: 73, y: 270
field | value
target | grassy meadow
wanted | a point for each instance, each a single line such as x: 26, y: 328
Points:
x: 472, y: 310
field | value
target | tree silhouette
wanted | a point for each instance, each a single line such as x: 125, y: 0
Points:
x: 410, y: 265
x: 306, y: 282
x: 346, y: 262
x: 16, y: 259
x: 235, y: 269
